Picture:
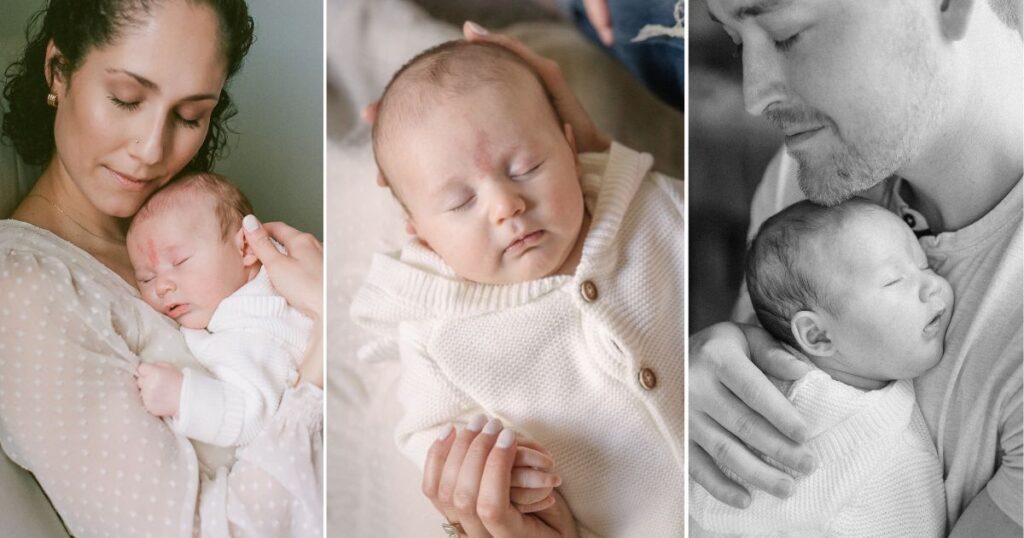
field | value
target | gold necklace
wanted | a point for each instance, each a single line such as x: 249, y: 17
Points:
x: 72, y: 219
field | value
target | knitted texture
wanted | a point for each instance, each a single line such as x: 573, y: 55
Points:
x: 553, y: 366
x: 878, y: 473
x: 252, y: 346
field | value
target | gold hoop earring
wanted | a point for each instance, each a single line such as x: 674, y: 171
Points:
x: 51, y: 99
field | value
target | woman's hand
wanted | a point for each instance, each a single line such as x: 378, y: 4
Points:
x: 472, y: 475
x: 298, y: 276
x: 734, y: 408
x: 588, y: 137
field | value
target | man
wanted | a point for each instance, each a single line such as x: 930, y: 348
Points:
x: 915, y: 104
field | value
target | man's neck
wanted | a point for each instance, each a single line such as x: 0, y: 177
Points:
x: 975, y: 160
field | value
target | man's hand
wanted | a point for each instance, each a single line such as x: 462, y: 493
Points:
x: 736, y: 412
x: 160, y: 387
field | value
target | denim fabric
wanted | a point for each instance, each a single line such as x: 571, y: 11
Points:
x: 657, y: 61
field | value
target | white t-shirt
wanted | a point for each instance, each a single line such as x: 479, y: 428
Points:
x: 971, y: 400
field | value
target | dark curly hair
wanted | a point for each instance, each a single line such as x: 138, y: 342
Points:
x: 77, y: 27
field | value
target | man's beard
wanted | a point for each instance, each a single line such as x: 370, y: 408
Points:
x: 835, y: 177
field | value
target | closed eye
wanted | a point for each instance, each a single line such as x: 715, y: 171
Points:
x: 788, y: 43
x: 528, y: 172
x: 191, y: 124
x: 893, y: 282
x: 464, y: 204
x: 126, y: 105
x: 181, y: 261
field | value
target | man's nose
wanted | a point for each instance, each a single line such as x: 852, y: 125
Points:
x: 763, y: 79
x: 506, y: 203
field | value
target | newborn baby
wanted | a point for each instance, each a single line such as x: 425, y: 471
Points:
x: 543, y: 288
x: 850, y: 287
x: 192, y: 264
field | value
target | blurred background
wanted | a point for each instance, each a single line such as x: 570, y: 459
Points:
x: 729, y: 150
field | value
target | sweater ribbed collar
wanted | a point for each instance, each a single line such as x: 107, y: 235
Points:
x: 419, y: 284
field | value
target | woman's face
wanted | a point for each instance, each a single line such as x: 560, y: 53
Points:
x: 136, y: 111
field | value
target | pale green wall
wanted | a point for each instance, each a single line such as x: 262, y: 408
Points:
x: 277, y: 156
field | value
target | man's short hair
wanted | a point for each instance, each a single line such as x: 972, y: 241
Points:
x: 778, y: 274
x: 453, y: 68
x: 229, y: 203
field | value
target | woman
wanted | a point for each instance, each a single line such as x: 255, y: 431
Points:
x: 115, y: 98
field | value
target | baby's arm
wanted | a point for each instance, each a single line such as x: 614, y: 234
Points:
x: 160, y: 387
x: 431, y: 403
x: 250, y: 371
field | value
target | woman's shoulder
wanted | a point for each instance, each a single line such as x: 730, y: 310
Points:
x: 32, y: 254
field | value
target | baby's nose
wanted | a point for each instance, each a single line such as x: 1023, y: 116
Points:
x: 163, y: 286
x: 505, y: 205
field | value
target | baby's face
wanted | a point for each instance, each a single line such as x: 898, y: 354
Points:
x: 490, y: 183
x: 893, y: 309
x: 183, y: 267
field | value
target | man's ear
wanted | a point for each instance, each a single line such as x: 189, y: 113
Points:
x: 53, y: 69
x: 811, y: 334
x: 245, y: 249
x: 954, y: 16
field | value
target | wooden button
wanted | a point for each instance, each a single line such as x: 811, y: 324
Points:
x: 647, y: 378
x: 589, y: 291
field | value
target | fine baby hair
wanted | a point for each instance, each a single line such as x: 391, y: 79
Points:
x: 778, y: 277
x: 451, y: 69
x: 230, y: 203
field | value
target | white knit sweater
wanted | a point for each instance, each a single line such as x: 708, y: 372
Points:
x: 252, y: 346
x: 553, y: 366
x: 878, y: 473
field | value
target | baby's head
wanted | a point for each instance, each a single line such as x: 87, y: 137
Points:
x: 470, y: 144
x: 187, y: 247
x: 849, y: 286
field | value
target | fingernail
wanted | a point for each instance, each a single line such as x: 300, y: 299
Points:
x: 493, y: 426
x: 558, y: 481
x: 477, y: 423
x: 741, y: 501
x: 445, y: 432
x: 251, y: 223
x: 505, y: 439
x: 783, y: 488
x: 476, y: 28
x: 807, y: 464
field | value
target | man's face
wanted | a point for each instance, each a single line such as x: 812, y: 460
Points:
x: 855, y: 85
x: 490, y: 183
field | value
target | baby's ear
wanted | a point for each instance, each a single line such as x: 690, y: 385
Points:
x: 245, y: 249
x: 811, y: 334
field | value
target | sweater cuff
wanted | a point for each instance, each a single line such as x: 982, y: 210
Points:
x: 208, y: 411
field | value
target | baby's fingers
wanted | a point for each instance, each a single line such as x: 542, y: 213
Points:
x: 532, y: 478
x: 527, y: 496
x: 544, y: 504
x: 528, y: 457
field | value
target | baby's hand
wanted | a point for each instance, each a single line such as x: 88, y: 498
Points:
x: 160, y: 387
x: 533, y: 478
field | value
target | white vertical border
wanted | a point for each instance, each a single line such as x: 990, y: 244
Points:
x: 323, y: 298
x: 686, y: 264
